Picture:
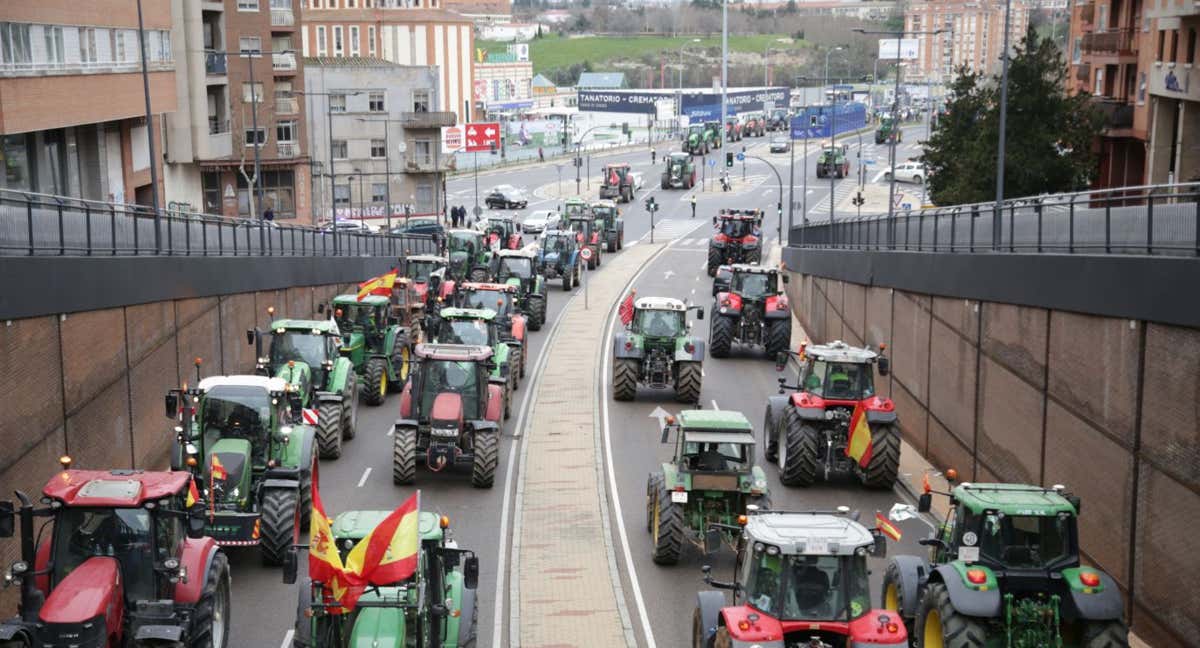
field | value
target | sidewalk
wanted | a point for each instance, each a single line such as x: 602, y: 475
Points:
x: 564, y: 566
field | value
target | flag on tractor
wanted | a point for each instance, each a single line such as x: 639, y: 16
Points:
x: 886, y: 527
x: 625, y: 312
x: 324, y: 561
x: 389, y: 552
x: 217, y: 470
x: 858, y: 445
x: 381, y: 285
x: 193, y: 494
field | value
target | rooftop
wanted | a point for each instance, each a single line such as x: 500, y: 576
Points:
x: 838, y: 351
x: 1012, y: 499
x: 714, y: 420
x: 455, y: 352
x: 611, y: 80
x: 659, y: 303
x: 468, y: 313
x: 809, y: 533
x: 322, y: 326
x: 262, y: 382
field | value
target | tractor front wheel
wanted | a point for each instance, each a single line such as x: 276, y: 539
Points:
x: 210, y: 619
x: 892, y: 595
x: 1105, y: 634
x: 375, y: 389
x: 537, y: 312
x: 666, y: 529
x: 329, y: 429
x: 771, y: 436
x: 401, y: 363
x: 779, y: 335
x: 939, y: 625
x: 624, y: 380
x: 654, y: 484
x: 508, y: 390
x: 483, y: 467
x: 478, y: 275
x: 720, y: 339
x: 567, y: 277
x: 687, y: 382
x: 278, y: 523
x: 350, y: 407
x: 881, y: 471
x: 798, y: 451
x: 404, y: 455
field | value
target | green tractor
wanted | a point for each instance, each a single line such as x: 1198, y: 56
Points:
x: 1004, y: 571
x: 610, y: 224
x: 478, y: 327
x: 304, y: 353
x: 712, y: 133
x: 518, y: 268
x: 502, y: 298
x: 833, y: 162
x: 436, y: 606
x: 657, y: 350
x: 680, y: 172
x: 243, y: 440
x: 710, y: 481
x: 888, y: 130
x: 575, y: 208
x: 380, y: 349
x: 699, y: 140
x: 469, y: 254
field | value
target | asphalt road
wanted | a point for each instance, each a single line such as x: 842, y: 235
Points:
x: 264, y: 608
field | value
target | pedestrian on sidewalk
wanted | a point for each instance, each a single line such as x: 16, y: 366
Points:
x: 653, y: 156
x: 269, y: 214
x: 693, y: 205
x: 541, y: 155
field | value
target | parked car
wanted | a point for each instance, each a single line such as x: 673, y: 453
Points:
x: 637, y: 180
x: 351, y: 226
x: 780, y: 144
x: 908, y: 172
x: 419, y: 225
x: 506, y: 197
x: 540, y: 220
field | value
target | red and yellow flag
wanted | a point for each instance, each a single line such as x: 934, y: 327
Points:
x: 886, y: 527
x: 389, y: 552
x: 381, y: 285
x: 324, y: 561
x: 625, y: 311
x: 193, y: 494
x: 217, y: 470
x: 858, y: 444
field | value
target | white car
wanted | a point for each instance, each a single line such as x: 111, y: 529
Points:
x: 540, y: 220
x: 637, y: 180
x: 908, y: 172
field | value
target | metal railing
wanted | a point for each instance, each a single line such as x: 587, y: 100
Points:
x: 1154, y: 219
x: 215, y: 64
x: 34, y: 224
x: 1118, y: 41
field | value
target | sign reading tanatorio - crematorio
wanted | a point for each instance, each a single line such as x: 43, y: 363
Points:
x: 698, y: 105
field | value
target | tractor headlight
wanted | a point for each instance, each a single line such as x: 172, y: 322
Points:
x: 191, y: 449
x: 18, y: 568
x: 829, y: 415
x: 286, y: 433
x: 171, y: 564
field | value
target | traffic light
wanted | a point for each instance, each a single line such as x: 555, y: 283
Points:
x: 729, y: 159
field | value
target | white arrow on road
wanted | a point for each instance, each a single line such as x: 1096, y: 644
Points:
x: 660, y: 414
x: 668, y: 274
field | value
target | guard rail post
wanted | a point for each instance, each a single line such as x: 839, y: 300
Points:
x: 1012, y: 228
x: 974, y: 217
x: 1150, y: 222
x: 112, y: 227
x: 87, y: 221
x: 953, y: 228
x: 1071, y: 227
x: 62, y: 238
x: 1037, y: 208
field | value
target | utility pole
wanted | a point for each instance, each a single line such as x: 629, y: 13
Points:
x: 996, y: 230
x: 724, y: 68
x: 150, y: 133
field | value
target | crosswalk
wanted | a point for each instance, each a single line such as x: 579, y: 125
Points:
x: 840, y: 193
x: 670, y: 228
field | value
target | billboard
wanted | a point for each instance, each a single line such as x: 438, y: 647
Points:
x: 621, y: 101
x: 907, y: 48
x: 814, y: 121
x: 696, y: 105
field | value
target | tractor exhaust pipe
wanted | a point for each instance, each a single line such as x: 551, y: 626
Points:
x: 31, y: 597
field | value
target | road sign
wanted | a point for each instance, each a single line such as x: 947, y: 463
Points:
x: 712, y: 163
x: 741, y: 157
x: 586, y: 253
x: 868, y: 162
x: 481, y: 136
x: 906, y: 206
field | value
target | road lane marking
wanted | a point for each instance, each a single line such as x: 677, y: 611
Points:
x: 362, y: 480
x: 715, y: 406
x: 391, y: 431
x: 287, y: 639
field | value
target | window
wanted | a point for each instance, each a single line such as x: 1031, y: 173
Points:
x: 355, y: 46
x: 371, y: 40
x: 55, y: 53
x: 1191, y: 46
x: 351, y: 4
x: 375, y: 102
x: 338, y: 46
x: 339, y: 149
x: 253, y: 93
x: 421, y: 100
x: 247, y: 5
x: 287, y: 131
x: 378, y: 149
x: 281, y: 4
x: 423, y: 151
x: 1162, y: 36
x: 278, y: 188
x: 210, y: 184
x: 321, y: 50
x: 250, y: 136
x: 14, y: 44
x: 378, y: 192
x: 250, y: 45
x: 87, y: 45
x: 1174, y: 46
x: 337, y: 103
x: 341, y: 194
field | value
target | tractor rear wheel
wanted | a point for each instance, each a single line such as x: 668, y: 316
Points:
x: 210, y: 617
x: 666, y: 529
x: 722, y: 638
x: 881, y: 471
x: 939, y: 625
x: 478, y: 275
x: 1105, y: 634
x: 654, y: 484
x: 520, y: 361
x: 483, y: 468
x: 754, y: 256
x: 720, y: 339
x: 404, y: 455
x: 666, y: 181
x: 714, y: 260
x: 566, y: 279
x: 610, y: 243
x: 624, y: 380
x: 350, y: 407
x: 779, y: 336
x: 329, y: 429
x: 375, y: 379
x: 508, y: 390
x: 302, y: 631
x: 306, y: 491
x: 798, y: 451
x: 537, y: 312
x: 278, y: 523
x: 687, y: 384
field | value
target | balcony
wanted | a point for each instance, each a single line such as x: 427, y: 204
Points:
x: 1117, y: 113
x: 1083, y: 72
x: 436, y: 119
x: 288, y: 149
x: 1175, y: 81
x: 1109, y: 43
x: 220, y: 145
x: 214, y: 64
x: 283, y: 62
x: 418, y: 163
x: 282, y: 18
x: 286, y: 105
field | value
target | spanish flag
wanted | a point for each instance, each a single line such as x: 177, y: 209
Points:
x: 381, y: 285
x: 193, y: 494
x: 886, y: 527
x: 217, y: 470
x: 389, y: 552
x: 858, y: 445
x: 324, y: 561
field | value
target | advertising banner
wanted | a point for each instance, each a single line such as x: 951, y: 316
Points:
x: 620, y: 101
x: 534, y: 132
x: 814, y: 122
x: 892, y: 48
x: 696, y: 105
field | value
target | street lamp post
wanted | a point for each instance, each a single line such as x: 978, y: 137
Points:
x: 150, y: 134
x: 679, y: 92
x: 1003, y: 125
x: 832, y: 129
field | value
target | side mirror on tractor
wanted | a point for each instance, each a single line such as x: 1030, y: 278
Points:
x: 925, y: 502
x: 171, y: 403
x: 781, y: 360
x: 250, y: 336
x: 471, y: 573
x: 290, y: 567
x: 880, y: 548
x: 885, y: 366
x: 700, y: 313
x: 195, y: 524
x: 7, y: 519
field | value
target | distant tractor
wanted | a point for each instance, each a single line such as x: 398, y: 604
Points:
x: 754, y: 311
x: 680, y: 172
x: 379, y: 348
x: 477, y: 327
x: 698, y: 140
x: 888, y: 131
x: 737, y: 238
x: 501, y: 232
x: 833, y: 162
x: 756, y: 125
x: 1004, y: 570
x: 617, y: 182
x: 511, y: 321
x: 449, y: 414
x: 779, y: 120
x: 609, y: 222
x: 589, y: 237
x: 427, y: 272
x: 518, y: 268
x: 733, y: 129
x: 713, y: 130
x: 469, y: 254
x: 559, y: 257
x: 658, y: 350
x: 808, y: 431
x: 575, y: 208
x: 710, y: 480
x: 802, y: 581
x: 119, y: 560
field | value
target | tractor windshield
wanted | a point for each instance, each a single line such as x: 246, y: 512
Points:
x: 354, y: 317
x: 496, y: 300
x: 1024, y: 541
x: 463, y: 242
x: 123, y: 533
x: 519, y: 267
x: 240, y: 411
x: 442, y: 376
x: 573, y: 209
x: 842, y: 380
x: 420, y: 270
x: 660, y: 323
x: 464, y: 331
x: 753, y: 285
x: 736, y: 227
x: 808, y: 588
x: 716, y: 457
x: 696, y: 130
x: 298, y: 346
x: 558, y: 243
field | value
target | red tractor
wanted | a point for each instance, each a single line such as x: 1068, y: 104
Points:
x: 753, y: 310
x: 617, y: 182
x: 738, y: 238
x: 733, y: 130
x: 123, y: 563
x: 505, y: 300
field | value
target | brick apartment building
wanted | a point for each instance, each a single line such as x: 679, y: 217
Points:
x: 975, y: 37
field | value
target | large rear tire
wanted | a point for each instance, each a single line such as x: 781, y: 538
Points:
x: 624, y: 380
x: 940, y: 625
x: 210, y: 619
x: 881, y: 471
x: 798, y: 452
x: 483, y: 468
x: 779, y: 336
x: 653, y: 485
x: 714, y: 260
x: 375, y: 379
x: 401, y: 363
x: 770, y: 436
x: 687, y: 382
x: 537, y: 312
x: 478, y: 275
x: 566, y: 279
x: 1105, y: 634
x: 306, y: 491
x: 404, y: 455
x: 720, y: 338
x: 329, y: 430
x: 350, y: 407
x: 302, y: 631
x: 666, y: 529
x: 891, y: 595
x: 278, y: 524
